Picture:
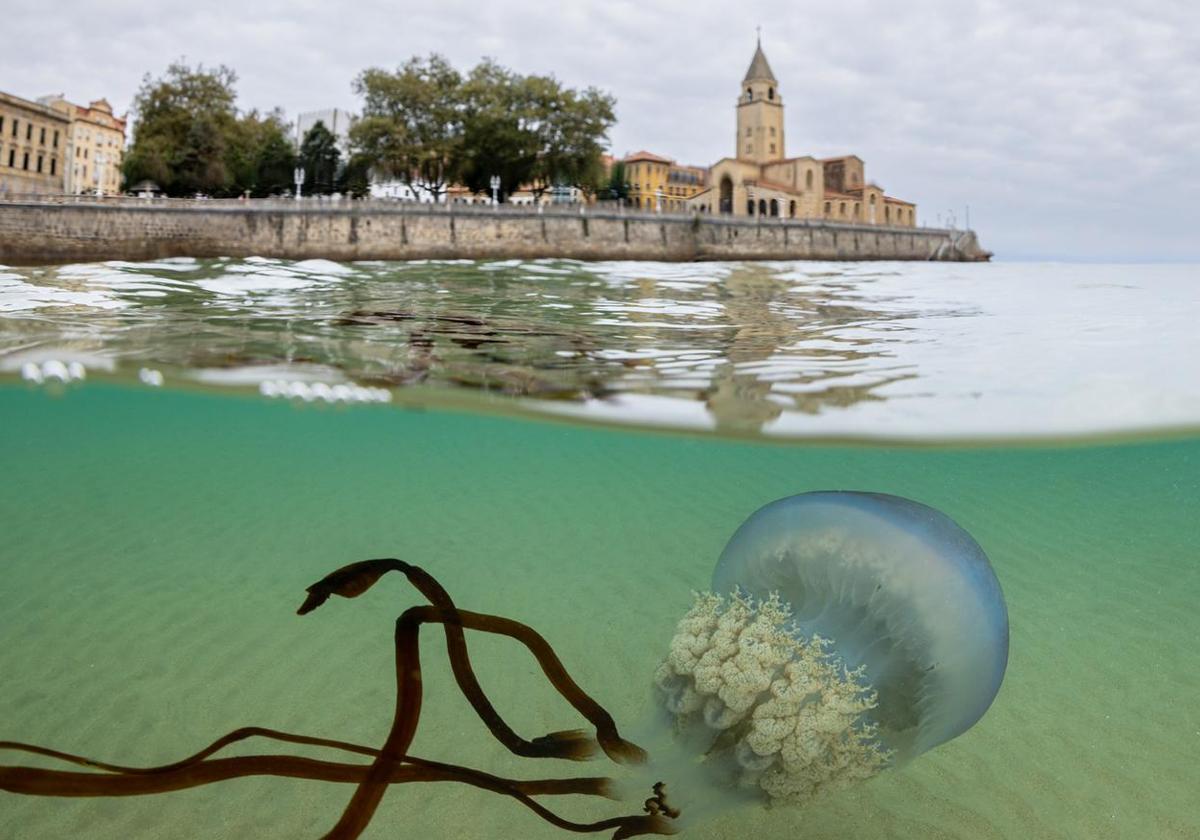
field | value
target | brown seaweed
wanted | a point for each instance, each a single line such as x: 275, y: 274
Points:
x: 391, y: 763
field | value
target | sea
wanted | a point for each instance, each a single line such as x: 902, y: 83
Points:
x: 186, y: 445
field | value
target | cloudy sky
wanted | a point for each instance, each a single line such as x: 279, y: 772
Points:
x: 1071, y: 129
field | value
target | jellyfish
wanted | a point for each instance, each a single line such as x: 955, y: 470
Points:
x: 845, y: 633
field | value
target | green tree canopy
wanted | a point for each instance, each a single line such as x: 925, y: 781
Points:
x: 320, y: 157
x: 430, y: 126
x: 189, y: 138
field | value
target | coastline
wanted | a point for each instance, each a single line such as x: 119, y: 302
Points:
x: 34, y: 232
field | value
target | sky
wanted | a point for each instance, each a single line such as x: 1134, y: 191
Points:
x: 1070, y: 129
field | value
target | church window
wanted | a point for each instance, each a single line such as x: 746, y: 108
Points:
x: 770, y: 93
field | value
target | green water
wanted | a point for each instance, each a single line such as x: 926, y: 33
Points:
x: 156, y: 545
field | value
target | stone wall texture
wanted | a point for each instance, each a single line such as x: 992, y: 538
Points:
x: 35, y: 233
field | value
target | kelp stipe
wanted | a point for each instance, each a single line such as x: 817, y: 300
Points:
x: 392, y: 763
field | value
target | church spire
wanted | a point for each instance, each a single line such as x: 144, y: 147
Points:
x: 760, y: 70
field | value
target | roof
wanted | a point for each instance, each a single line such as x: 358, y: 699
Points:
x: 759, y: 69
x: 650, y: 156
x: 887, y: 199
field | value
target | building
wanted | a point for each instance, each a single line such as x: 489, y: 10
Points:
x: 761, y: 180
x: 95, y: 146
x: 336, y: 120
x: 33, y: 147
x: 659, y: 183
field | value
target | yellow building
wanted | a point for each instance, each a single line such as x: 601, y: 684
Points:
x: 96, y: 148
x: 33, y: 147
x: 761, y: 180
x: 660, y: 184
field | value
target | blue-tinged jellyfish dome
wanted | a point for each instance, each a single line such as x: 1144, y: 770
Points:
x: 898, y: 588
x: 845, y: 633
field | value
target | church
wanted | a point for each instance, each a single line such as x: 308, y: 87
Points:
x: 761, y: 180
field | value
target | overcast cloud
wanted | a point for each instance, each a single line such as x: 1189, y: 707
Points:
x: 1072, y: 129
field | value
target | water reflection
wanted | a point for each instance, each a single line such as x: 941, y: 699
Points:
x: 786, y: 348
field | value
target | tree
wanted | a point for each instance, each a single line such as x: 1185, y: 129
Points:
x: 617, y: 187
x: 319, y: 156
x: 355, y: 178
x: 260, y: 156
x: 428, y: 125
x: 189, y: 139
x: 183, y: 122
x: 411, y: 127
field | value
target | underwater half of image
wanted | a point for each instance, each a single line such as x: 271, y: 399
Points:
x: 778, y: 638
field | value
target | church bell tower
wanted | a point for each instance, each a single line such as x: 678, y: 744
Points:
x: 759, y: 114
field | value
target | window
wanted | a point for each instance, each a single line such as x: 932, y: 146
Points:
x: 750, y: 207
x: 772, y: 148
x: 56, y: 139
x: 749, y: 131
x: 808, y: 181
x: 749, y: 94
x: 770, y: 93
x: 28, y: 131
x: 53, y: 166
x: 749, y: 148
x: 792, y: 209
x: 772, y: 131
x: 887, y: 214
x: 39, y: 163
x: 25, y: 162
x: 828, y: 208
x: 1, y: 123
x: 85, y: 151
x: 842, y: 209
x: 12, y: 157
x: 42, y: 136
x: 14, y: 131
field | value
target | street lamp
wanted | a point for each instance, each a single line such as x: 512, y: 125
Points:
x: 298, y: 177
x: 495, y: 182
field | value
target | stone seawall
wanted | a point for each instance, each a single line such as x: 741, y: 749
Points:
x: 38, y: 233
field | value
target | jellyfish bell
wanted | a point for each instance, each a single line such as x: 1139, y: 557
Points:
x: 845, y: 632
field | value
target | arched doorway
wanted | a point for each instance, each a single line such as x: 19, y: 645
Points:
x: 791, y: 209
x: 762, y: 207
x: 774, y: 207
x: 726, y: 199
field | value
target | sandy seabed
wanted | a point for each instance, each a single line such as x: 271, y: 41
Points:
x: 155, y: 547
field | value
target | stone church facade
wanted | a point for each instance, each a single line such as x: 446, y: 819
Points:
x: 760, y: 180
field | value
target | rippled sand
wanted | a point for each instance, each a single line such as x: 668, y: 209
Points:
x: 155, y: 547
